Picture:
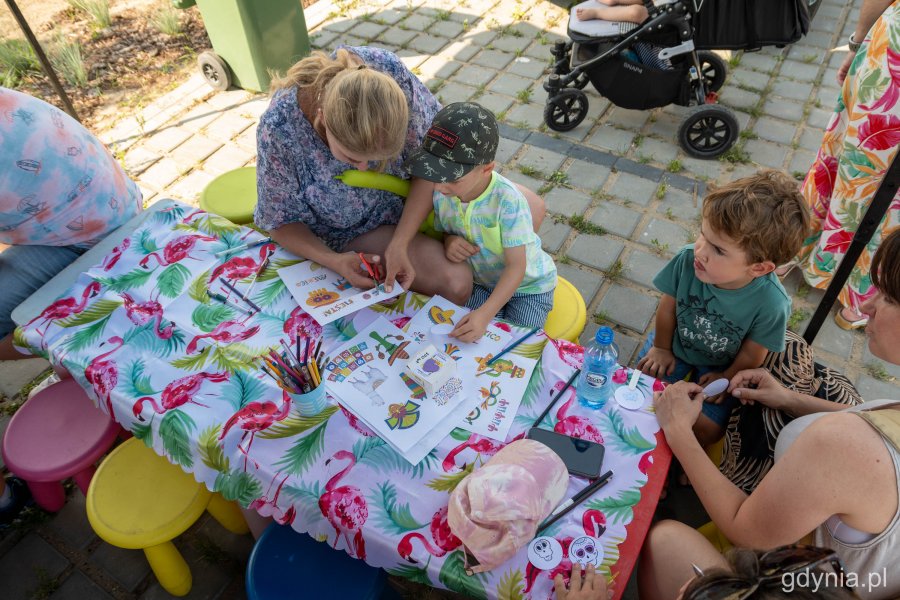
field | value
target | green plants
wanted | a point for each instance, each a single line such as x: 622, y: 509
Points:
x: 558, y: 178
x: 674, y: 166
x: 669, y: 214
x: 65, y: 56
x: 748, y: 134
x: 563, y: 260
x: 600, y: 318
x: 798, y: 315
x: 167, y: 20
x: 661, y: 190
x: 658, y: 247
x: 524, y: 95
x: 17, y: 60
x: 97, y: 10
x: 802, y: 290
x: 582, y: 225
x: 877, y: 370
x: 735, y: 155
x: 614, y: 271
x: 530, y: 171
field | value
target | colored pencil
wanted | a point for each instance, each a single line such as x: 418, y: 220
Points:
x: 513, y: 345
x: 238, y: 294
x: 265, y: 240
x: 537, y: 422
x: 567, y: 506
x: 227, y: 302
x: 261, y: 268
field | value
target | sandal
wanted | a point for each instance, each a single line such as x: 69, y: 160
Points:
x: 782, y: 271
x: 849, y: 325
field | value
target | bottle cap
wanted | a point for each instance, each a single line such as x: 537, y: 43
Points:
x: 604, y: 335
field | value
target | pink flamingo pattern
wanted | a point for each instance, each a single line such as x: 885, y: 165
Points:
x: 594, y: 523
x: 226, y: 332
x: 241, y: 267
x: 480, y: 444
x: 66, y: 307
x: 354, y: 422
x: 141, y: 313
x: 301, y: 323
x: 113, y: 257
x: 181, y: 391
x: 103, y: 375
x: 572, y: 425
x: 440, y: 533
x: 282, y: 517
x: 570, y: 353
x: 256, y: 416
x: 177, y: 250
x: 345, y: 507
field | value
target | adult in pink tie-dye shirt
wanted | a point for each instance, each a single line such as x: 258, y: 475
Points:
x: 60, y: 192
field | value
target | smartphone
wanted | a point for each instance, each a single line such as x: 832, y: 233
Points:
x: 581, y: 457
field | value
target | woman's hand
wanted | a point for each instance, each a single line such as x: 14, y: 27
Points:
x: 758, y: 385
x: 708, y: 378
x: 471, y: 327
x: 678, y: 406
x: 350, y: 267
x: 657, y: 363
x: 845, y: 67
x: 457, y: 249
x: 398, y: 267
x: 591, y: 587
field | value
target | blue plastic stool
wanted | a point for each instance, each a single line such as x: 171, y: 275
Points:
x: 283, y: 562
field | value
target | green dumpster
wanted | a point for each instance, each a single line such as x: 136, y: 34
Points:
x: 250, y: 39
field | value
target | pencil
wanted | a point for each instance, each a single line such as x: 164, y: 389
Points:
x: 227, y: 302
x: 265, y: 240
x: 238, y: 294
x: 261, y: 268
x: 537, y: 422
x: 513, y: 345
x: 567, y: 506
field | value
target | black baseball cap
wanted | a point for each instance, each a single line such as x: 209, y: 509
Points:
x: 462, y: 136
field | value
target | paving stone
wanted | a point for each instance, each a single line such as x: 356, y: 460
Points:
x: 391, y: 15
x: 593, y: 156
x: 640, y: 169
x: 819, y: 118
x: 811, y: 139
x: 495, y: 103
x: 738, y: 98
x: 801, y: 161
x: 628, y: 307
x: 585, y: 175
x: 128, y: 567
x: 746, y: 78
x: 664, y: 124
x: 695, y: 167
x: 669, y: 236
x: 195, y: 150
x: 833, y: 339
x: 590, y: 332
x: 506, y: 150
x: 493, y: 59
x: 439, y: 67
x: 597, y: 251
x: 528, y: 67
x: 627, y: 119
x: 159, y: 176
x: 766, y: 153
x: 398, y: 37
x: 615, y: 218
x: 798, y: 70
x: 679, y: 204
x: 227, y: 158
x: 586, y: 282
x: 78, y: 587
x: 417, y: 22
x: 641, y: 267
x: 448, y: 29
x: 628, y: 347
x: 531, y: 114
x: 660, y: 152
x: 210, y: 578
x: 198, y: 118
x: 516, y: 176
x: 553, y: 235
x: 455, y: 92
x: 427, y: 43
x: 513, y: 44
x: 872, y: 389
x: 634, y: 189
x: 323, y: 39
x: 22, y: 569
x: 869, y: 358
x: 822, y: 39
x: 757, y: 61
x: 610, y: 138
x: 566, y: 202
x: 784, y: 109
x: 166, y: 139
x: 775, y: 130
x: 545, y: 161
x: 511, y: 85
x: 795, y: 90
x: 548, y: 142
x: 138, y: 159
x: 247, y: 139
x: 71, y: 522
x: 236, y: 546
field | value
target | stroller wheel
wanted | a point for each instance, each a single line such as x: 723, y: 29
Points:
x: 714, y: 69
x: 566, y: 110
x: 708, y: 131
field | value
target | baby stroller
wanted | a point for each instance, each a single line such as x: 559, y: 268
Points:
x: 658, y: 63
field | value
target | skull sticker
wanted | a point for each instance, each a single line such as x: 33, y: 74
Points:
x: 586, y: 551
x: 545, y: 553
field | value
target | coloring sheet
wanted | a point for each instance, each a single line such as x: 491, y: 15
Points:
x: 366, y: 374
x: 326, y: 295
x: 496, y: 391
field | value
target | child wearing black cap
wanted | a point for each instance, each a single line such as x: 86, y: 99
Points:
x: 485, y: 220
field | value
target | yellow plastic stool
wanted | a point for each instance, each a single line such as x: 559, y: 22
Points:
x: 138, y: 500
x: 715, y: 537
x: 232, y: 195
x: 566, y: 320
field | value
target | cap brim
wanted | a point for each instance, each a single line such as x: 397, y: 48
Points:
x: 427, y: 166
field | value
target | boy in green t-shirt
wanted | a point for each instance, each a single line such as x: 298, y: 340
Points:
x: 723, y: 309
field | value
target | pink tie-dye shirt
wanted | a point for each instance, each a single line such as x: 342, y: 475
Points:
x: 59, y: 186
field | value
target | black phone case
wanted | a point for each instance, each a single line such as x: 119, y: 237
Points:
x: 553, y: 440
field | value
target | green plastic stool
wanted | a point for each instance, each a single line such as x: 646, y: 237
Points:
x: 232, y: 195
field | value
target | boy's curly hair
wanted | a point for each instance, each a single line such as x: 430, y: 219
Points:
x: 763, y: 213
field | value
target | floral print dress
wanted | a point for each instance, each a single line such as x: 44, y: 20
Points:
x: 859, y: 144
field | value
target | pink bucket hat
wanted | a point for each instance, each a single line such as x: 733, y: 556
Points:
x: 495, y: 511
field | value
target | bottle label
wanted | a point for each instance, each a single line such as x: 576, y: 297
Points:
x: 596, y: 380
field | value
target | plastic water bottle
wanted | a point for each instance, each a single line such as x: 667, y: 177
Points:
x: 595, y: 384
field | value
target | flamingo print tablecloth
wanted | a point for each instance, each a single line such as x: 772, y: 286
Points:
x: 140, y: 335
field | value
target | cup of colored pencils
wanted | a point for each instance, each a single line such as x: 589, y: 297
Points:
x: 296, y: 372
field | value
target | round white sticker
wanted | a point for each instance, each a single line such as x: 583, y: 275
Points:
x: 632, y: 399
x: 545, y: 553
x: 586, y: 551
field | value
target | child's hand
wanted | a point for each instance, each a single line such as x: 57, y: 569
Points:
x: 471, y: 327
x: 709, y: 378
x: 351, y: 268
x: 657, y: 362
x: 457, y: 249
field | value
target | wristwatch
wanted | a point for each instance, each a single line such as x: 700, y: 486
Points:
x: 852, y: 44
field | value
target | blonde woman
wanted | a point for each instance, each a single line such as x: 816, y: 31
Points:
x: 360, y: 108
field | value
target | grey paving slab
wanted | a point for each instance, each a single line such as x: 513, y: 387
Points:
x: 775, y: 130
x: 664, y: 124
x: 679, y: 204
x: 627, y: 119
x: 449, y: 29
x: 227, y: 158
x: 15, y: 374
x: 566, y: 201
x: 238, y: 547
x: 531, y: 115
x: 71, y: 523
x: 162, y: 174
x: 633, y: 189
x: 496, y: 103
x: 528, y: 67
x: 869, y: 358
x: 30, y: 563
x: 597, y: 251
x: 783, y: 109
x: 658, y: 151
x: 189, y: 188
x: 506, y: 150
x: 545, y: 161
x: 586, y: 282
x: 819, y: 117
x: 810, y: 139
x: 493, y: 58
x: 587, y: 175
x: 78, y: 587
x: 757, y: 61
x: 427, y: 43
x: 138, y: 158
x: 514, y: 175
x: 195, y: 149
x: 644, y: 170
x: 417, y: 22
x: 628, y: 307
x: 738, y: 98
x: 511, y: 85
x: 615, y: 218
x: 455, y: 92
x: 873, y: 389
x: 669, y: 236
x: 834, y: 339
x: 612, y: 139
x: 767, y: 153
x: 127, y: 567
x: 553, y: 235
x: 642, y: 267
x: 395, y: 36
x: 700, y: 169
x: 794, y: 90
x: 749, y: 80
x: 512, y: 44
x: 166, y: 139
x: 801, y: 161
x: 439, y: 67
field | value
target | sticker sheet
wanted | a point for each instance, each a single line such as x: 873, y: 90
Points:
x: 326, y: 295
x: 496, y: 391
x: 367, y: 374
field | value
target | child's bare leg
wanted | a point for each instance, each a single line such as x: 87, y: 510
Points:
x: 635, y: 13
x: 708, y: 432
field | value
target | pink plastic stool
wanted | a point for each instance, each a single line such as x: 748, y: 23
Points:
x: 57, y: 434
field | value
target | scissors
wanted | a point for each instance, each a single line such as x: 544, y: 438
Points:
x: 369, y: 269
